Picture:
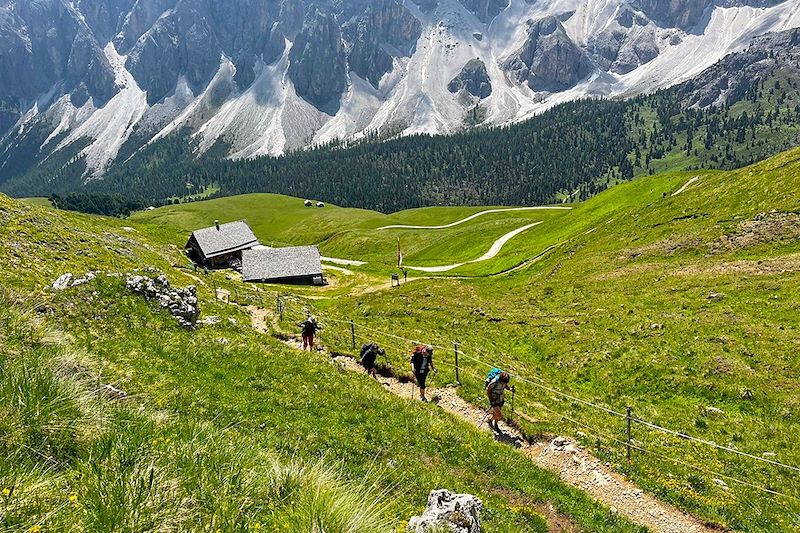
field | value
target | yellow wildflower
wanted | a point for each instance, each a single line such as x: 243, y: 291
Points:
x: 6, y: 492
x: 257, y: 526
x: 35, y: 529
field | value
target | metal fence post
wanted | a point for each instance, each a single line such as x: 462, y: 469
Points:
x: 353, y: 332
x: 628, y: 432
x: 455, y: 351
x: 281, y: 306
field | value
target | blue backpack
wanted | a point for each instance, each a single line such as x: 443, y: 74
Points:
x: 493, y: 374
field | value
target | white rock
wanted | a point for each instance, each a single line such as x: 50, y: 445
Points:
x: 458, y: 513
x: 62, y: 282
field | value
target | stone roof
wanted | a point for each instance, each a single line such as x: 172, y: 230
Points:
x: 269, y: 264
x: 230, y: 237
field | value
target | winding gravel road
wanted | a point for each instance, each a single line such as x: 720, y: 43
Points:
x: 476, y: 215
x: 493, y: 251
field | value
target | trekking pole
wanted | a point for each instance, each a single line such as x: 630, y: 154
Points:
x: 353, y: 332
x: 513, y: 393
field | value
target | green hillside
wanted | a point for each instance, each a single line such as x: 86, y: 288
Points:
x: 674, y: 294
x: 354, y: 233
x: 223, y: 428
x: 683, y: 307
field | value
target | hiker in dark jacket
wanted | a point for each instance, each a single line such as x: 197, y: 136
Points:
x: 495, y: 390
x: 369, y: 355
x: 421, y: 365
x: 309, y: 327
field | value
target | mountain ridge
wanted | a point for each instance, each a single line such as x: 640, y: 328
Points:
x: 247, y: 74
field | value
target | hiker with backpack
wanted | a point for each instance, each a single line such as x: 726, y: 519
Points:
x: 421, y: 365
x: 369, y: 354
x: 495, y: 385
x: 309, y: 327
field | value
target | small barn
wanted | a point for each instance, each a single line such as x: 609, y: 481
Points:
x: 295, y: 264
x: 221, y: 245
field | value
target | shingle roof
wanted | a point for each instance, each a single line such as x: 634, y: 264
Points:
x: 281, y: 263
x: 230, y: 237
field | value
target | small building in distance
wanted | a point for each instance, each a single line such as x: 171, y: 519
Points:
x: 295, y: 264
x: 221, y: 245
x: 308, y: 203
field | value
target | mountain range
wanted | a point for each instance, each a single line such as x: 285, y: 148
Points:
x: 91, y: 82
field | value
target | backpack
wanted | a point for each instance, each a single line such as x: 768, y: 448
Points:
x: 367, y: 348
x: 493, y: 375
x: 422, y: 352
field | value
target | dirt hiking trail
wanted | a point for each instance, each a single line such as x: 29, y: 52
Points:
x: 573, y: 464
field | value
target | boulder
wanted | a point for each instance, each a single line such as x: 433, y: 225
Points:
x: 459, y: 513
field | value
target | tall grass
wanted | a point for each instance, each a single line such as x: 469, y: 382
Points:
x: 71, y: 460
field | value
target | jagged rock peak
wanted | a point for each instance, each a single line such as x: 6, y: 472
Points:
x: 318, y: 66
x: 549, y: 60
x: 473, y: 78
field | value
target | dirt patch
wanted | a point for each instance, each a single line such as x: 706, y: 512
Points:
x: 765, y: 267
x: 662, y: 248
x: 764, y: 228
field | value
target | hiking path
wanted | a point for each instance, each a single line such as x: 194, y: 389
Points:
x: 574, y: 464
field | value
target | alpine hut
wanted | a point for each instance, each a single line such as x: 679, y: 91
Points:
x: 295, y: 264
x: 221, y: 245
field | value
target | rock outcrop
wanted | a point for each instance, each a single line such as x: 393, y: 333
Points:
x: 485, y: 10
x: 473, y: 79
x: 385, y: 26
x: 459, y: 513
x: 687, y: 14
x: 318, y: 66
x: 628, y: 42
x: 736, y: 74
x: 181, y: 303
x: 549, y: 60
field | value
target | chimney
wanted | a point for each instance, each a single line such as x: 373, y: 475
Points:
x: 216, y: 223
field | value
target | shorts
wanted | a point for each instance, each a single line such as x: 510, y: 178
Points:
x: 421, y: 378
x: 498, y: 403
x: 369, y: 366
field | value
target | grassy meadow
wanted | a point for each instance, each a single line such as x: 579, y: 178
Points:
x: 353, y: 233
x: 681, y: 306
x: 223, y: 428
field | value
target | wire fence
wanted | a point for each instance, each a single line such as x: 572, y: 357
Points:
x: 344, y: 335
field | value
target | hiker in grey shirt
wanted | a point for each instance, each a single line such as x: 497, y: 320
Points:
x: 495, y: 391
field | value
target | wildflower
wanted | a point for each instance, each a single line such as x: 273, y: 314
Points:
x: 6, y: 492
x: 35, y: 529
x: 257, y: 526
x: 73, y: 500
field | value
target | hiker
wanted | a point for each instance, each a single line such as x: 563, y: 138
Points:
x: 369, y: 353
x: 421, y: 364
x: 496, y: 384
x: 309, y: 327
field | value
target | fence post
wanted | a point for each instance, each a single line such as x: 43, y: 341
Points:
x: 455, y: 351
x: 628, y: 433
x: 281, y: 306
x: 353, y: 332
